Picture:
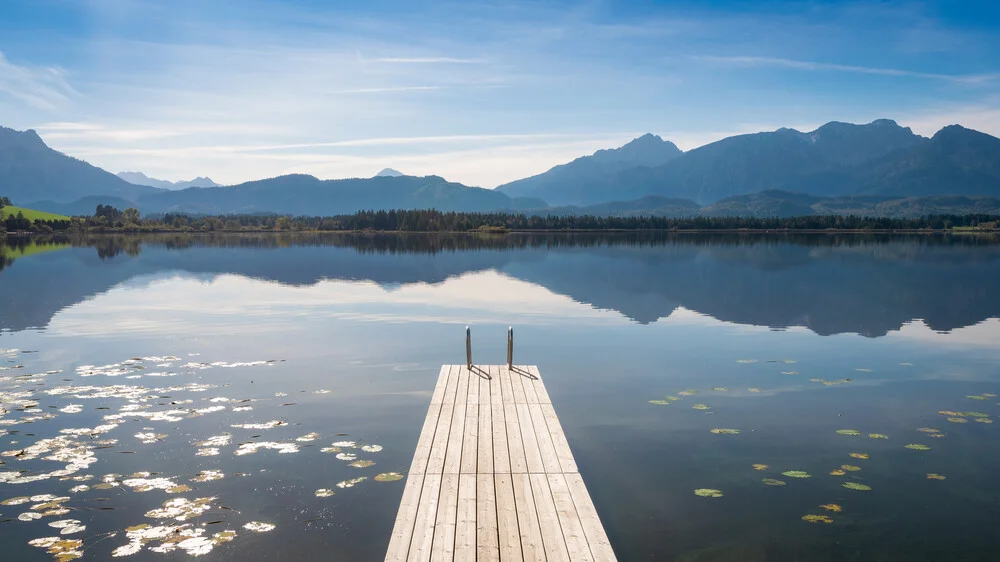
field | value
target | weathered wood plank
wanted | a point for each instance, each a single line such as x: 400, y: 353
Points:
x: 402, y: 531
x: 548, y: 520
x: 439, y: 388
x: 423, y: 450
x: 465, y: 525
x: 423, y: 527
x: 485, y: 455
x: 515, y: 445
x: 528, y: 381
x: 501, y: 455
x: 507, y: 530
x: 487, y: 541
x: 517, y: 384
x: 540, y: 390
x: 597, y: 538
x: 453, y: 455
x: 527, y: 519
x: 496, y: 394
x: 443, y: 547
x: 470, y: 443
x: 506, y: 384
x: 532, y: 455
x: 451, y: 386
x: 563, y: 452
x: 569, y: 520
x: 550, y: 463
x: 439, y: 447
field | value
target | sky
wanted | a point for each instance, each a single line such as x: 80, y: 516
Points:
x: 477, y: 92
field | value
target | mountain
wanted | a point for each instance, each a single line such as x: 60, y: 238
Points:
x: 819, y: 162
x: 31, y: 171
x: 592, y: 179
x: 389, y: 172
x: 306, y: 195
x: 139, y: 178
x: 956, y: 161
x: 837, y: 159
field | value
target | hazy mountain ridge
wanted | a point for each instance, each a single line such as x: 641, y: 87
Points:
x: 139, y: 178
x: 877, y: 168
x: 569, y: 184
x: 834, y: 160
x: 31, y: 171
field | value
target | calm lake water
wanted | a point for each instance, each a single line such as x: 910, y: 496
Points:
x: 126, y: 364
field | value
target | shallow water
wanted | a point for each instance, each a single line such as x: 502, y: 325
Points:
x: 343, y: 336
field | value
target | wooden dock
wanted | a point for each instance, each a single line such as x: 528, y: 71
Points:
x: 493, y: 477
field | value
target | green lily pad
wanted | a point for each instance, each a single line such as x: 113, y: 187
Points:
x: 976, y: 397
x: 856, y: 486
x: 772, y: 482
x: 708, y: 493
x: 700, y: 407
x: 725, y: 431
x: 877, y: 436
x: 388, y: 477
x: 917, y: 447
x: 848, y: 432
x: 660, y: 402
x: 796, y: 474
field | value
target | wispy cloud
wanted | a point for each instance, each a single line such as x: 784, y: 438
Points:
x: 388, y: 90
x: 813, y: 65
x: 429, y: 60
x: 39, y: 87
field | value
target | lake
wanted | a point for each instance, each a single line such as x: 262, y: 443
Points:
x: 168, y: 396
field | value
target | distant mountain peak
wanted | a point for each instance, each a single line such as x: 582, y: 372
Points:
x: 389, y: 173
x: 139, y: 178
x: 10, y: 138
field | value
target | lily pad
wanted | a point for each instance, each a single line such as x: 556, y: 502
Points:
x: 848, y: 432
x: 746, y: 361
x: 877, y: 436
x: 977, y: 397
x: 934, y: 476
x: 836, y: 508
x: 796, y: 474
x: 850, y: 467
x: 837, y: 472
x: 760, y: 467
x: 719, y: 389
x: 817, y: 519
x: 957, y: 420
x: 361, y: 463
x: 917, y: 447
x: 772, y: 482
x: 388, y: 477
x: 687, y: 392
x: 708, y: 493
x: 857, y: 486
x: 700, y: 407
x: 928, y: 430
x: 789, y: 372
x: 859, y: 455
x: 753, y: 389
x: 718, y: 431
x: 660, y: 402
x: 324, y: 493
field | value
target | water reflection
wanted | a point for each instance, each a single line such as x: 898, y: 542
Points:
x: 830, y: 284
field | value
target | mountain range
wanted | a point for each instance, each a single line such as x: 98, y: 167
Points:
x: 139, y: 178
x: 878, y: 168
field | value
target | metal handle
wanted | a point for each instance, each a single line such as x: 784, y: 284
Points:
x: 510, y: 347
x: 468, y: 348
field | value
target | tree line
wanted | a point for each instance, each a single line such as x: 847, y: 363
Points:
x: 110, y: 219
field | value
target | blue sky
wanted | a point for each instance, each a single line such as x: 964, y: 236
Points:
x: 478, y: 92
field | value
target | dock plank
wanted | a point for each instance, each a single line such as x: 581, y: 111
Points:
x: 493, y: 477
x: 487, y: 539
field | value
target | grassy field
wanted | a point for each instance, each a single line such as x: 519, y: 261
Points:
x: 30, y: 214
